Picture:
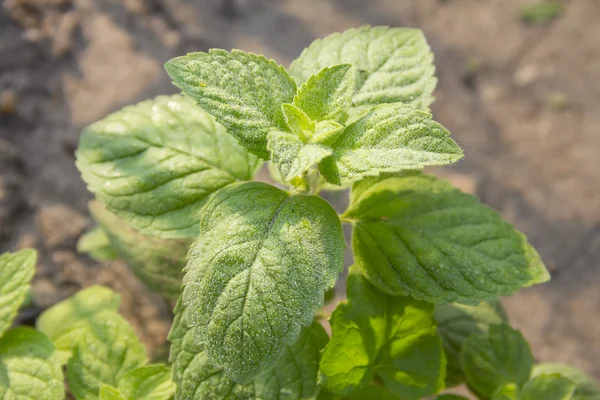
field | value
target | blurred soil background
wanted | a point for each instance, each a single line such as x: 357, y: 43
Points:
x: 522, y: 99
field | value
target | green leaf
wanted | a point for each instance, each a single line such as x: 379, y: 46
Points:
x: 30, y: 369
x: 326, y: 132
x: 243, y: 91
x: 456, y: 322
x: 327, y: 95
x: 66, y: 321
x: 395, y: 65
x: 586, y: 388
x: 507, y: 392
x: 298, y: 122
x: 97, y: 245
x: 377, y: 336
x: 155, y: 163
x: 16, y: 271
x: 500, y: 357
x: 548, y: 387
x: 293, y: 377
x: 450, y: 397
x: 388, y: 138
x: 151, y: 382
x: 258, y: 272
x: 417, y: 235
x: 294, y: 158
x: 157, y: 262
x: 110, y: 393
x: 103, y: 354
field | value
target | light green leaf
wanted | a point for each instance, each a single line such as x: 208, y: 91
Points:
x: 151, y: 382
x: 294, y: 158
x: 548, y: 387
x: 16, y: 271
x: 417, y: 235
x: 395, y: 65
x: 66, y: 321
x: 258, y: 272
x: 377, y: 336
x: 388, y: 138
x: 157, y: 262
x: 456, y: 322
x: 500, y: 357
x: 96, y: 244
x: 30, y: 369
x: 154, y: 164
x: 327, y: 95
x: 325, y: 132
x: 298, y: 122
x: 586, y: 388
x: 110, y: 393
x: 243, y: 91
x: 105, y: 351
x: 507, y: 392
x: 293, y: 377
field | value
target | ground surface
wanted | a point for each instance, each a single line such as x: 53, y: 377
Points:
x: 523, y: 101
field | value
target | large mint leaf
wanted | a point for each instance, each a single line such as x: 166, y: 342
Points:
x: 394, y: 64
x: 417, y: 235
x: 294, y: 158
x: 105, y: 352
x: 388, y: 138
x: 154, y: 164
x: 243, y: 91
x: 500, y: 357
x: 258, y: 272
x: 151, y: 382
x: 30, y: 368
x: 155, y: 261
x: 377, y: 336
x: 548, y: 387
x: 456, y: 322
x: 293, y: 377
x: 586, y: 388
x: 16, y: 271
x: 95, y: 244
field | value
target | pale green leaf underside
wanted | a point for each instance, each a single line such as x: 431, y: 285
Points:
x: 258, y: 272
x: 155, y: 163
x: 157, y: 262
x: 586, y: 388
x: 395, y: 65
x: 30, y: 368
x: 293, y: 377
x: 548, y: 387
x: 417, y: 235
x: 294, y: 158
x: 105, y: 351
x: 16, y: 272
x: 151, y: 382
x: 96, y: 245
x: 500, y: 357
x: 388, y: 138
x: 456, y: 322
x: 243, y: 91
x: 391, y: 338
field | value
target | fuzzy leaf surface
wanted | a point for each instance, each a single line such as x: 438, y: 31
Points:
x: 243, y: 91
x: 391, y: 338
x: 586, y: 388
x: 258, y: 272
x: 416, y: 235
x: 151, y: 382
x: 30, y: 368
x: 548, y: 387
x: 95, y: 243
x: 155, y: 163
x: 294, y: 158
x: 16, y: 271
x: 394, y: 65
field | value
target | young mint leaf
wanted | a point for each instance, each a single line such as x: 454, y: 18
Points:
x: 327, y: 95
x: 391, y: 338
x: 297, y: 121
x: 293, y: 377
x: 509, y: 391
x: 501, y: 356
x: 586, y: 388
x: 388, y: 138
x: 151, y: 382
x: 157, y: 262
x: 326, y: 132
x: 294, y: 158
x: 16, y: 271
x: 395, y: 65
x: 110, y: 393
x: 456, y: 322
x: 105, y: 351
x: 96, y: 244
x: 30, y: 369
x: 258, y: 272
x: 417, y: 235
x: 548, y: 387
x: 154, y: 164
x: 243, y: 91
